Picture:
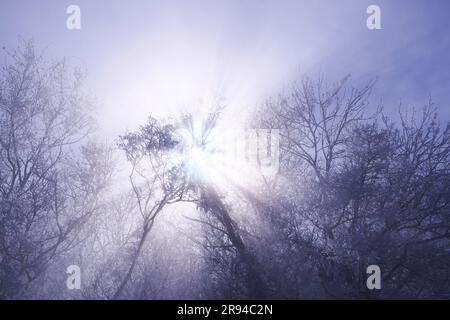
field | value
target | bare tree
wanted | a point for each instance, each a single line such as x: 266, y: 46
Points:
x: 315, y: 121
x: 156, y: 178
x: 376, y: 194
x: 42, y: 114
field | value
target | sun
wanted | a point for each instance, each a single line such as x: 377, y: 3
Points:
x: 213, y: 153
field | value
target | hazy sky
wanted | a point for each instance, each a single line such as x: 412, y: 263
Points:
x: 157, y: 57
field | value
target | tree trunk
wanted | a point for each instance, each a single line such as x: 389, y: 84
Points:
x: 213, y: 203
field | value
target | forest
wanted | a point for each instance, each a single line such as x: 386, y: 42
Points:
x: 167, y: 211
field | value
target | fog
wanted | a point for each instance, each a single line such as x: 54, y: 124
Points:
x: 224, y: 150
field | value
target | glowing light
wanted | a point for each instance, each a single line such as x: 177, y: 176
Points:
x: 215, y: 153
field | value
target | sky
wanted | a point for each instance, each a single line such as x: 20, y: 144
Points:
x: 161, y: 57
